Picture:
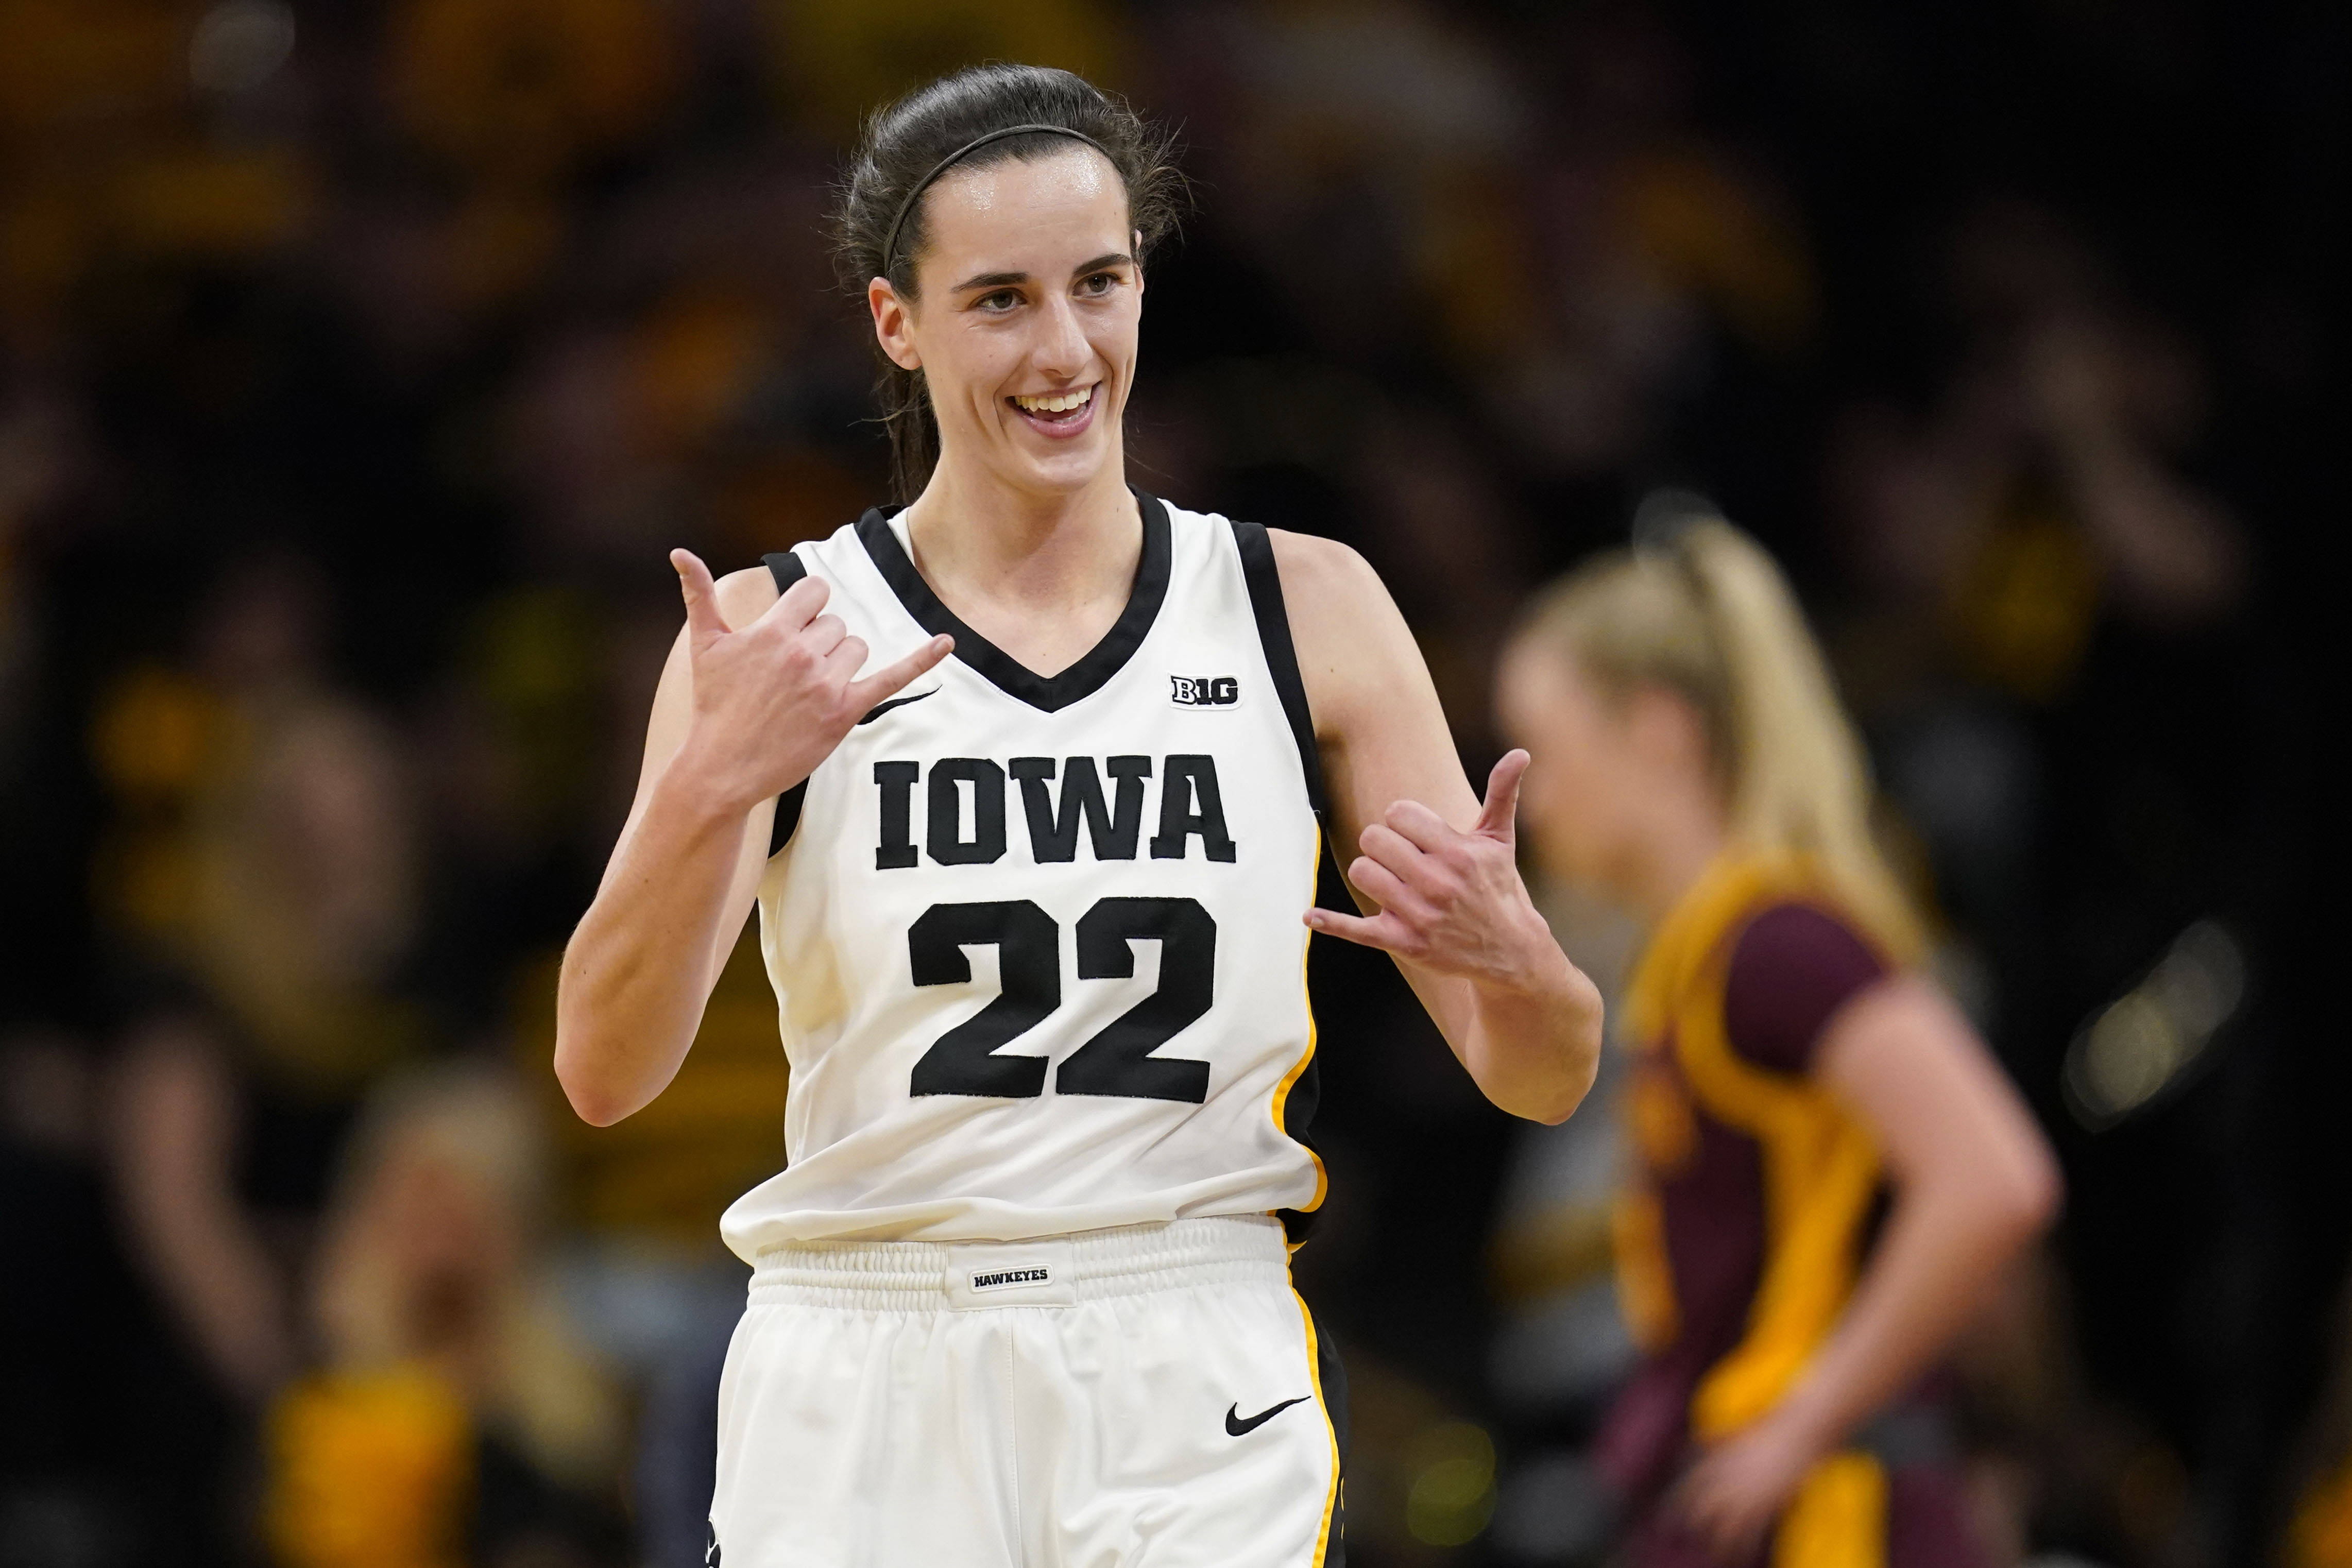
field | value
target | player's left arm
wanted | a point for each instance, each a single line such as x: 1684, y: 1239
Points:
x: 1974, y: 1185
x: 1435, y: 872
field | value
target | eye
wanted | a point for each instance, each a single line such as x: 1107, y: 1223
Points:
x: 1096, y: 284
x: 998, y: 300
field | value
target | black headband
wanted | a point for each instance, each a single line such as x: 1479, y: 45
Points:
x: 890, y: 239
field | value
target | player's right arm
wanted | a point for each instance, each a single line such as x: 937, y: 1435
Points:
x: 759, y: 689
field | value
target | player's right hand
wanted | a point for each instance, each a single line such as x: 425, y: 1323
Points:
x: 772, y: 698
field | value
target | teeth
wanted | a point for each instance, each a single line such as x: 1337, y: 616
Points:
x: 1061, y: 403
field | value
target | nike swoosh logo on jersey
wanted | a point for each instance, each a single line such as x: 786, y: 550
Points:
x: 881, y: 708
x: 1240, y: 1425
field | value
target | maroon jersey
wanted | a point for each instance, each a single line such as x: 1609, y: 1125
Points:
x: 1749, y: 1211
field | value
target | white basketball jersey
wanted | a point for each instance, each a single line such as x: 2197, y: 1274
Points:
x: 1037, y: 942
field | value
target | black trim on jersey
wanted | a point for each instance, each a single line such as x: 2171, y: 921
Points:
x: 787, y: 568
x: 1265, y: 583
x: 1333, y: 1377
x: 1281, y: 655
x: 1048, y: 694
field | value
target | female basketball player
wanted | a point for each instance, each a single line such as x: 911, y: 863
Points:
x: 1791, y: 1062
x: 1037, y: 913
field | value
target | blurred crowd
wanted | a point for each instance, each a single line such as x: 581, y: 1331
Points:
x: 359, y: 360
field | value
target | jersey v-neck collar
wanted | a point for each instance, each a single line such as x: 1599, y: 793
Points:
x: 1046, y: 693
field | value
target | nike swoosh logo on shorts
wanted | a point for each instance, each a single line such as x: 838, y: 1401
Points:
x: 1240, y: 1425
x: 881, y: 708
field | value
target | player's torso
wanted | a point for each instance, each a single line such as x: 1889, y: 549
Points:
x: 1037, y: 942
x: 1753, y: 1189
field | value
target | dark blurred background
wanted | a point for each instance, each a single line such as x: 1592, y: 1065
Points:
x: 361, y: 359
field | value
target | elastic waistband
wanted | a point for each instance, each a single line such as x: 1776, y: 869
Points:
x: 1051, y: 1271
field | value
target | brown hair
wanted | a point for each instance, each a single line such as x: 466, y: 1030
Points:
x: 902, y: 147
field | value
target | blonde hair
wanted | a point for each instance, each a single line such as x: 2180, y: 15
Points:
x: 1705, y: 613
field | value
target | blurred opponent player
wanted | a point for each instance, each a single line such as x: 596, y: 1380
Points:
x: 1792, y: 1063
x: 1037, y: 915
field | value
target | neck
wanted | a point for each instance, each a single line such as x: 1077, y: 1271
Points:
x: 978, y: 539
x: 1686, y: 836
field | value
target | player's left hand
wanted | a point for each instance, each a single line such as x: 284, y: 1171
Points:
x: 1731, y: 1497
x: 1449, y: 901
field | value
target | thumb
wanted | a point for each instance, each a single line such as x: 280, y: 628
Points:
x: 701, y: 594
x: 1499, y: 817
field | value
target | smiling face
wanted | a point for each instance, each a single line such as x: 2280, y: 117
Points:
x: 1025, y: 323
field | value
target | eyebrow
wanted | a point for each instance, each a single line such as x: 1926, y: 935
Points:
x: 1006, y: 279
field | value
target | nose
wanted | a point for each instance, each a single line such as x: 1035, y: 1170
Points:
x: 1061, y: 350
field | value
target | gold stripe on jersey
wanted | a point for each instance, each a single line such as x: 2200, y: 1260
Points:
x: 1820, y: 1170
x: 1837, y: 1518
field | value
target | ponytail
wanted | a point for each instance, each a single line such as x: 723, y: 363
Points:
x: 1704, y: 613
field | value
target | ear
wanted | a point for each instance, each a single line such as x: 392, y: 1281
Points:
x: 1135, y: 249
x: 893, y: 323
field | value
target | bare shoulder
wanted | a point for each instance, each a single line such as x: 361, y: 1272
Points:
x: 1350, y: 640
x: 1333, y: 597
x: 1314, y: 570
x: 744, y: 597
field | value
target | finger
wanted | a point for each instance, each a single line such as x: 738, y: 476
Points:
x: 823, y: 634
x: 1425, y: 828
x: 843, y: 661
x: 884, y: 683
x: 1500, y: 815
x: 1386, y: 889
x: 1382, y: 930
x: 701, y: 596
x: 1400, y: 855
x: 797, y: 605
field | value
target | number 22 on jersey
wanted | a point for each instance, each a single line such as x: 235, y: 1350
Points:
x: 1117, y: 1060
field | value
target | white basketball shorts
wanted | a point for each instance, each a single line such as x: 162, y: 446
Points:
x: 1153, y: 1396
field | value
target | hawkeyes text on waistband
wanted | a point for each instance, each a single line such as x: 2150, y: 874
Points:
x: 914, y: 1276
